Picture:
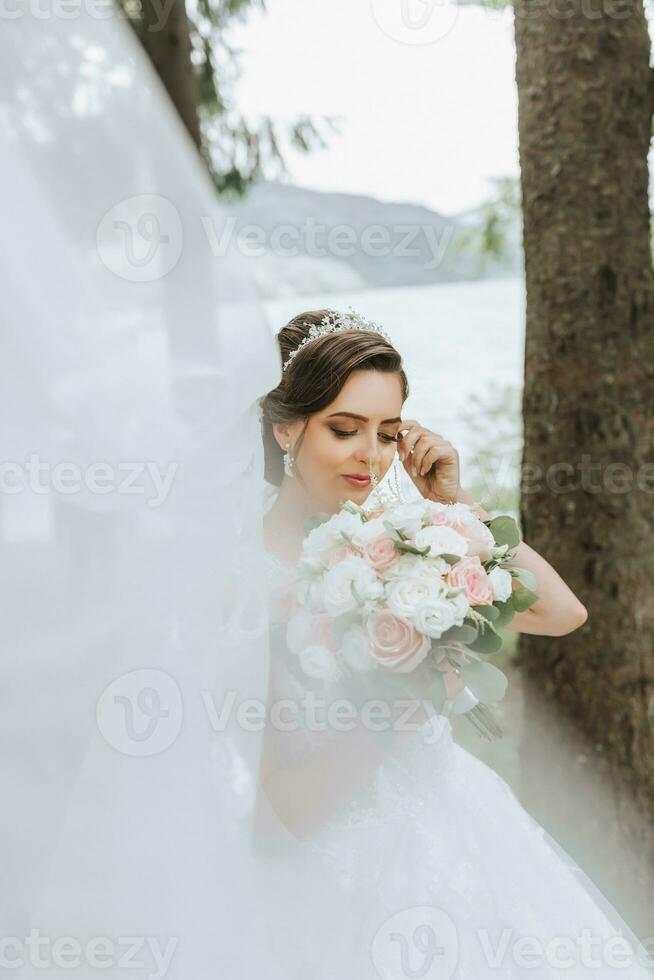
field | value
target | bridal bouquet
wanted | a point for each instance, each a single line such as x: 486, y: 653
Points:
x: 417, y: 581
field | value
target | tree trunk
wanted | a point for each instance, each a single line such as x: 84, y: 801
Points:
x: 165, y: 35
x: 585, y: 114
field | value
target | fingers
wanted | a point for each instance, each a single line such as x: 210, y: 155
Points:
x: 424, y: 442
x: 411, y: 431
x: 429, y: 457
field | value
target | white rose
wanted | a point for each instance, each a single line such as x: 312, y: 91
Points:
x: 338, y: 595
x: 434, y: 566
x: 480, y: 539
x: 345, y: 522
x: 319, y: 662
x: 441, y: 540
x: 355, y: 650
x: 329, y: 535
x: 404, y: 595
x: 462, y: 512
x: 370, y: 531
x: 310, y: 592
x: 460, y: 608
x: 502, y: 584
x: 407, y: 517
x: 406, y: 565
x: 434, y: 617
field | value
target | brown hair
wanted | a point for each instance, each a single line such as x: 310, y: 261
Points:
x: 316, y: 375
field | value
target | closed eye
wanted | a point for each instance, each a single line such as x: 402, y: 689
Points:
x: 342, y: 434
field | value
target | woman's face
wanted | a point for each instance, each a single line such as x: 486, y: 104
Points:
x: 359, y: 429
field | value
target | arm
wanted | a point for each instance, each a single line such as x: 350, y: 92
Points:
x: 558, y: 611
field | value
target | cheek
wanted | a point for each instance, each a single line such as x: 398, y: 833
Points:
x: 331, y: 452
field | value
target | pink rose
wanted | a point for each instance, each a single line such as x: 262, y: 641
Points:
x: 380, y: 553
x: 470, y: 574
x: 440, y: 516
x: 395, y: 644
x: 480, y: 539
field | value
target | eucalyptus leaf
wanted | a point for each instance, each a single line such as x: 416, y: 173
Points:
x: 506, y: 613
x: 405, y: 546
x: 505, y: 531
x: 392, y: 531
x: 486, y: 681
x: 525, y: 577
x: 488, y: 612
x: 488, y: 641
x: 450, y: 559
x: 460, y: 634
x: 523, y: 599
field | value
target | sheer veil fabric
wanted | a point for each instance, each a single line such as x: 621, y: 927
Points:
x: 149, y: 831
x: 133, y: 586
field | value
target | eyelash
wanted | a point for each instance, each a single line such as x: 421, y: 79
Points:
x: 340, y: 434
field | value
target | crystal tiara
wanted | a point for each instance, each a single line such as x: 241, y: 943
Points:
x: 333, y: 322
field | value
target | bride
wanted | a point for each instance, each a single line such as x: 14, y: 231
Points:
x: 391, y: 851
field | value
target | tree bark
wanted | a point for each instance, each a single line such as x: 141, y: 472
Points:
x: 165, y: 35
x: 585, y: 116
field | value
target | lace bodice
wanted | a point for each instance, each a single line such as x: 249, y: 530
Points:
x: 387, y: 754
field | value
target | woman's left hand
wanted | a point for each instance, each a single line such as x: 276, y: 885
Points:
x: 431, y: 461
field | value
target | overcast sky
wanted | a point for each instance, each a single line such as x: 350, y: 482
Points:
x: 428, y: 101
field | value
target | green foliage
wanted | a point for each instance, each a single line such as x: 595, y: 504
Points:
x: 486, y: 681
x: 523, y: 599
x: 487, y: 641
x: 506, y: 613
x: 494, y: 434
x: 505, y: 531
x: 237, y: 151
x: 490, y: 237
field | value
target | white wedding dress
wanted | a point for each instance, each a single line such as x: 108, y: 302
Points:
x: 428, y: 867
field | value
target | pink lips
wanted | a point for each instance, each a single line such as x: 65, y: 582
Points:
x: 357, y: 481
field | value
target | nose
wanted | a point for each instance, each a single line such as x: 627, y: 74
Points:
x: 369, y: 453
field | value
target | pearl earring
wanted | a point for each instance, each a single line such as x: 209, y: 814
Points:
x: 288, y: 461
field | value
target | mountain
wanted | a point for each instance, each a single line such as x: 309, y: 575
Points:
x: 306, y: 241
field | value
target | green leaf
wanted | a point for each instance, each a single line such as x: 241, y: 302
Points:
x: 523, y: 599
x: 450, y: 559
x: 487, y: 642
x: 438, y: 692
x: 505, y: 531
x: 392, y: 531
x: 506, y: 613
x: 525, y: 577
x: 486, y: 681
x: 405, y: 546
x: 488, y: 612
x: 460, y: 634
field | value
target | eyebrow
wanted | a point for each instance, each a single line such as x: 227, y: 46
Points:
x: 361, y: 418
